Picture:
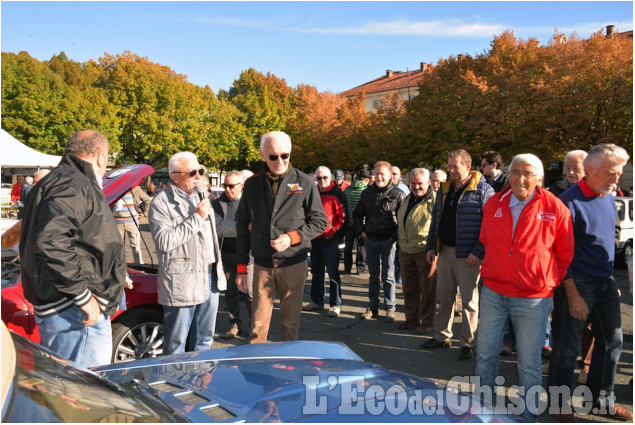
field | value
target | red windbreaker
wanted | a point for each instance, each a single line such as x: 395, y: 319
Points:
x: 534, y: 262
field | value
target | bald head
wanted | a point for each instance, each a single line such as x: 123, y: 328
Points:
x: 39, y: 174
x: 91, y: 146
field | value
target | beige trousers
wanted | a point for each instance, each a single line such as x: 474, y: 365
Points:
x: 452, y: 271
x: 289, y: 282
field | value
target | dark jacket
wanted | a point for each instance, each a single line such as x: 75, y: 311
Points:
x: 558, y: 188
x: 296, y: 211
x: 498, y: 185
x: 353, y: 193
x: 228, y: 244
x: 70, y: 246
x: 468, y: 216
x: 376, y: 212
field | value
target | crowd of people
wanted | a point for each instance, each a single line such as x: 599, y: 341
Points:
x: 526, y: 260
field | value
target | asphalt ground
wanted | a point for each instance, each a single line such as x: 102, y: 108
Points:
x: 382, y: 343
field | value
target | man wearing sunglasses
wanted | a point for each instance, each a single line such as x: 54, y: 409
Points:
x: 279, y: 214
x: 225, y: 206
x: 190, y: 267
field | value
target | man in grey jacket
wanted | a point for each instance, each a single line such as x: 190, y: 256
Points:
x: 190, y: 267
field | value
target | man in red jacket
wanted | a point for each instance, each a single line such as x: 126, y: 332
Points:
x: 325, y: 252
x: 528, y: 238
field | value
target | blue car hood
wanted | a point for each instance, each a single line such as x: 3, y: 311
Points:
x: 301, y: 381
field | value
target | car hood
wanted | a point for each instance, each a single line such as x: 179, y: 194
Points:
x: 115, y: 183
x: 305, y: 381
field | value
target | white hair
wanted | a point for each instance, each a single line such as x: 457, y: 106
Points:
x: 441, y: 174
x: 530, y: 159
x: 600, y: 153
x: 418, y: 171
x: 324, y: 169
x: 28, y: 179
x: 246, y: 173
x: 278, y: 135
x: 574, y: 154
x: 178, y: 158
x: 235, y: 173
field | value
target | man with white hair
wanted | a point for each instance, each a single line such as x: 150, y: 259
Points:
x: 589, y: 289
x: 574, y: 171
x: 528, y: 238
x: 279, y: 214
x: 190, y: 266
x: 437, y: 178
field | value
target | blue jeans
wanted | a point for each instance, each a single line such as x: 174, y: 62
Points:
x: 65, y: 334
x: 529, y: 318
x: 201, y: 318
x: 325, y: 253
x: 603, y: 302
x: 384, y: 252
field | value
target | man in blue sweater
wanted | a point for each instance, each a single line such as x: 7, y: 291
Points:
x: 589, y: 289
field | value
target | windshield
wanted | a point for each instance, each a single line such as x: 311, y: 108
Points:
x: 49, y: 389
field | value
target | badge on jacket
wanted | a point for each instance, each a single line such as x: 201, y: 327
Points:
x: 294, y: 188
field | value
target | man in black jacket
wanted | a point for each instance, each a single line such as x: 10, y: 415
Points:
x: 279, y: 214
x: 492, y: 169
x: 375, y: 219
x: 73, y: 265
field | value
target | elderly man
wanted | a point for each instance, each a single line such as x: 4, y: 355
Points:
x: 338, y: 179
x: 190, y: 265
x: 419, y: 283
x: 225, y: 206
x: 492, y: 169
x: 397, y: 180
x: 574, y: 171
x: 73, y: 265
x: 375, y: 219
x: 39, y: 174
x: 437, y: 178
x: 325, y: 251
x: 454, y: 232
x: 528, y: 238
x: 279, y: 214
x: 589, y: 290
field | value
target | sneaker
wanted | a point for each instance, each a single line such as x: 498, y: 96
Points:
x: 435, y: 343
x: 582, y: 377
x: 507, y: 350
x: 369, y: 314
x: 312, y: 307
x: 420, y: 330
x: 390, y: 316
x: 407, y: 325
x: 335, y: 311
x: 232, y: 332
x: 466, y: 353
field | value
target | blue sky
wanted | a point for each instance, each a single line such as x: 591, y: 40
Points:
x: 331, y: 45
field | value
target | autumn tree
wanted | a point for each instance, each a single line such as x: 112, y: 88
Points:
x: 264, y: 102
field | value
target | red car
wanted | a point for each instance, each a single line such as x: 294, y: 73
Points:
x: 137, y: 331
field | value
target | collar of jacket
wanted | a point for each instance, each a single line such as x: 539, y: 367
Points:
x: 471, y: 185
x: 383, y: 190
x: 328, y: 189
x: 85, y: 167
x: 507, y: 193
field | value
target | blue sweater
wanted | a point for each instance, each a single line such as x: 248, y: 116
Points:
x: 594, y: 231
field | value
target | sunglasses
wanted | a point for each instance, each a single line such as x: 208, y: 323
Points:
x: 322, y: 178
x: 191, y: 173
x: 284, y: 156
x: 230, y: 186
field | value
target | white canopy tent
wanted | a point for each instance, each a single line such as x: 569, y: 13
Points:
x: 15, y: 154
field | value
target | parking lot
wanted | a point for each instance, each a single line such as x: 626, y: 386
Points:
x: 379, y: 342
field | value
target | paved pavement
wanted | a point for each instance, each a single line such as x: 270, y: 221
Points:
x: 379, y: 342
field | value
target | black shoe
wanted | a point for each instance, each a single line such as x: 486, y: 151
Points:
x: 435, y: 343
x: 466, y: 353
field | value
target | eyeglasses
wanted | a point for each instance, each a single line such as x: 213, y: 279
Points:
x: 230, y: 186
x: 284, y: 157
x: 525, y: 174
x: 322, y: 178
x: 191, y: 173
